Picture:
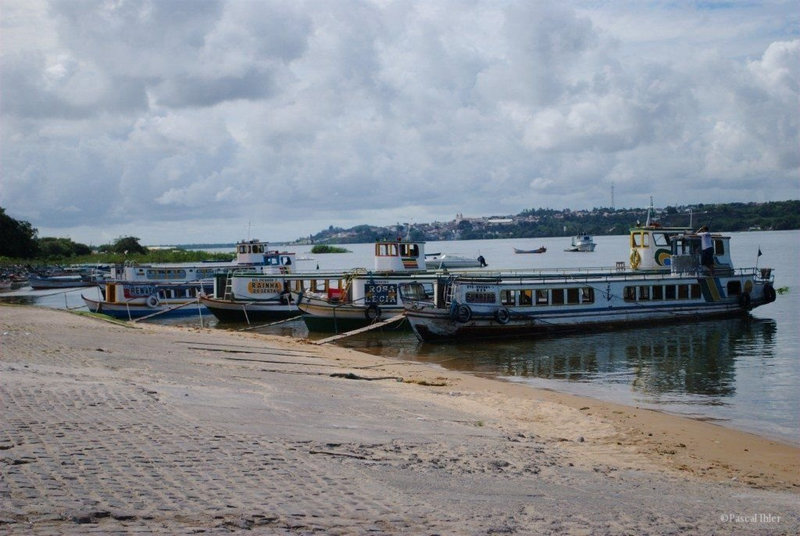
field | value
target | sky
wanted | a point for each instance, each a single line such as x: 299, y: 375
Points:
x: 213, y: 121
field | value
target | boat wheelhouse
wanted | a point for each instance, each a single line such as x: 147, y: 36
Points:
x: 529, y: 304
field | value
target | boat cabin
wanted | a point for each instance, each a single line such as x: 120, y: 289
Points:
x: 399, y: 256
x: 675, y: 249
x: 651, y: 246
x: 686, y: 251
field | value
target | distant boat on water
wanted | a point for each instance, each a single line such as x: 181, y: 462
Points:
x: 582, y: 243
x: 538, y: 250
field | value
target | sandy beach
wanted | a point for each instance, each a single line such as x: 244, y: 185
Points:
x: 111, y: 428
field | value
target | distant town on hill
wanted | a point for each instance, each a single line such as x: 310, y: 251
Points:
x: 531, y: 223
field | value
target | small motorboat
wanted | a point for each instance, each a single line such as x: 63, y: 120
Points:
x: 582, y: 243
x: 538, y: 250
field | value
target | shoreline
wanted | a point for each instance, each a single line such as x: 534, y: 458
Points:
x: 203, y: 401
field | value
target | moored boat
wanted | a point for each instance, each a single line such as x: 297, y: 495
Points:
x: 133, y: 299
x: 252, y: 255
x: 359, y: 298
x: 41, y: 282
x: 243, y: 296
x: 653, y: 289
x: 538, y: 250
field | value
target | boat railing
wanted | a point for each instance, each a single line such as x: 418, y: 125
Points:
x: 604, y: 274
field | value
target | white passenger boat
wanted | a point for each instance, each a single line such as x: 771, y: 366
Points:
x: 132, y: 299
x: 443, y: 261
x: 253, y: 255
x: 664, y: 282
x: 582, y: 244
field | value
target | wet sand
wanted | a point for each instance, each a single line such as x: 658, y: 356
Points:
x: 109, y: 428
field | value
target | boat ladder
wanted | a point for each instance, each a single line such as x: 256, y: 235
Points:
x: 228, y: 287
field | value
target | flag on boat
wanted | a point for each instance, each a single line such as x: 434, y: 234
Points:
x: 759, y: 251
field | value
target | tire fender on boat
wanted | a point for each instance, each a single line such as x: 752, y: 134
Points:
x: 152, y: 301
x: 372, y: 312
x: 463, y: 313
x: 769, y: 293
x: 744, y: 299
x: 502, y: 315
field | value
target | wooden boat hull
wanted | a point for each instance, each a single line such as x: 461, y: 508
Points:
x: 319, y: 315
x: 139, y: 309
x: 243, y: 311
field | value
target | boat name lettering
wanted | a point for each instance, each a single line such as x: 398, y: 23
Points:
x: 385, y: 294
x: 264, y: 287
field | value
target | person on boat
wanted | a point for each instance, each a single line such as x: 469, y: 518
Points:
x: 706, y: 248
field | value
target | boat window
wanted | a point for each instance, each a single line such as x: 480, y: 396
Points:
x: 508, y: 297
x: 683, y: 292
x: 526, y: 297
x: 629, y: 293
x: 661, y: 239
x: 573, y: 296
x: 409, y: 250
x: 541, y: 296
x: 719, y: 247
x: 669, y: 292
x: 640, y: 240
x: 242, y: 249
x: 481, y: 297
x: 413, y: 291
x: 587, y: 295
x: 695, y: 291
x: 644, y: 293
x: 658, y: 292
x: 557, y: 296
x: 385, y: 249
x: 734, y: 288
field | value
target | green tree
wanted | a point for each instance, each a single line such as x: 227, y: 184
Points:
x: 50, y: 247
x: 128, y: 245
x: 17, y: 238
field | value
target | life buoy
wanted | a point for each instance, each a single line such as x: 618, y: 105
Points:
x: 769, y: 293
x: 463, y: 313
x: 372, y: 312
x: 152, y: 301
x: 502, y: 315
x: 744, y: 300
x: 635, y: 259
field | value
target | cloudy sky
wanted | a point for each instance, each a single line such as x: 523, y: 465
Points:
x: 205, y: 121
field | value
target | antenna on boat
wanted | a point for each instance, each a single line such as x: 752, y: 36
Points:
x: 649, y: 212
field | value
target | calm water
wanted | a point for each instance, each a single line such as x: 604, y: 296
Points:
x: 741, y: 373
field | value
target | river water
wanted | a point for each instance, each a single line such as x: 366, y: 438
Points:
x: 741, y: 373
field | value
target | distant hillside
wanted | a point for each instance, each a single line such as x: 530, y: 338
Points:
x: 531, y: 223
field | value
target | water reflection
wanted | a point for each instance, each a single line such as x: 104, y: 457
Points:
x: 690, y: 359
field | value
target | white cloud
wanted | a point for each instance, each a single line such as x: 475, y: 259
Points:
x: 182, y: 121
